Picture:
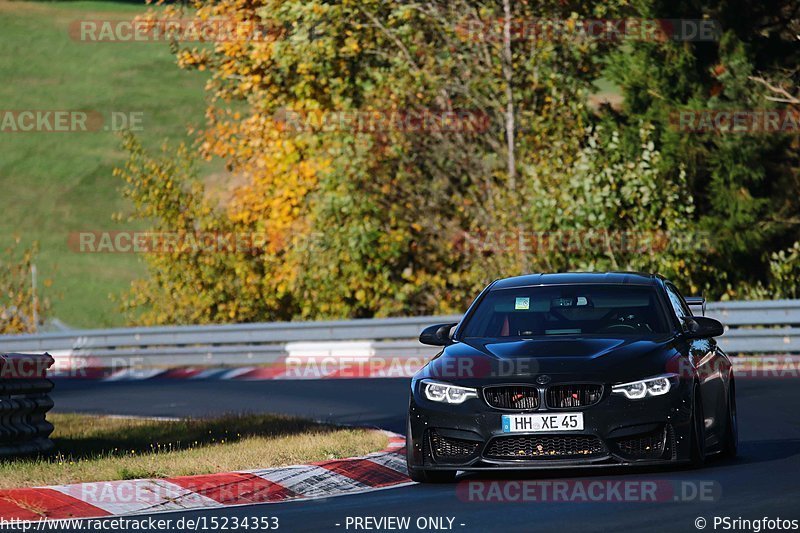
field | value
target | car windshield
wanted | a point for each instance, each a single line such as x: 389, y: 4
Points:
x: 567, y: 310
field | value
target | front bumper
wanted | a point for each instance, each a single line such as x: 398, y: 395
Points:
x: 617, y: 432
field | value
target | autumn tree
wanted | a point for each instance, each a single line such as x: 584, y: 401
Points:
x: 22, y: 309
x: 397, y: 156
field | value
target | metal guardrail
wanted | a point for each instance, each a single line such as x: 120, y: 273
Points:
x: 239, y: 334
x: 756, y: 312
x: 771, y: 326
x: 753, y: 327
x: 24, y: 403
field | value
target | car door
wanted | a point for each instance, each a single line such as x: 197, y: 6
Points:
x: 709, y: 364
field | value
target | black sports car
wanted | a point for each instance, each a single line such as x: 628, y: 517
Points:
x: 565, y: 370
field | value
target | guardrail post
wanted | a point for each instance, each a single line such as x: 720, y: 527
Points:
x: 24, y: 403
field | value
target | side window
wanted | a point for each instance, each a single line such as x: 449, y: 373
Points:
x: 678, y: 305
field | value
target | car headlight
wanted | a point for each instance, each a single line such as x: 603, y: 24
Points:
x: 636, y: 390
x: 446, y: 393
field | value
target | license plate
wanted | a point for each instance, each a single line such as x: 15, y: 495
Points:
x: 544, y: 422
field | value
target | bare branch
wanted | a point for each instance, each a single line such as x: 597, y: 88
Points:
x: 784, y: 96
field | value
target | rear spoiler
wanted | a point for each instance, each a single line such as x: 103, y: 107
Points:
x: 697, y: 301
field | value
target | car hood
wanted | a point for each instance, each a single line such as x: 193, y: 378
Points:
x: 604, y: 359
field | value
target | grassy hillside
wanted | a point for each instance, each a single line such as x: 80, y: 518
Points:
x: 56, y: 183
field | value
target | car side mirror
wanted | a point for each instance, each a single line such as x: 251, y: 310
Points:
x: 700, y: 327
x: 438, y: 335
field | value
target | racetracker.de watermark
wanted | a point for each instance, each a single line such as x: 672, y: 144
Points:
x: 384, y: 121
x: 583, y: 490
x: 581, y: 241
x: 167, y: 242
x: 68, y: 121
x: 741, y: 121
x: 146, y: 30
x: 316, y: 364
x: 574, y: 29
x: 23, y: 367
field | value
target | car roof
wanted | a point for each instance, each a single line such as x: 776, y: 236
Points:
x: 568, y: 278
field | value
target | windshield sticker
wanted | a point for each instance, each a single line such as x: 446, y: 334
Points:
x: 522, y: 304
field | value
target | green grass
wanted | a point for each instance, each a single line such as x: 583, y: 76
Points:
x: 56, y: 183
x: 101, y: 448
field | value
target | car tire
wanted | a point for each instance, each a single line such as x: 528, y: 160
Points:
x: 698, y: 436
x: 730, y: 443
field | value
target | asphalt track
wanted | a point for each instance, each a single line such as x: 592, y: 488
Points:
x: 763, y: 482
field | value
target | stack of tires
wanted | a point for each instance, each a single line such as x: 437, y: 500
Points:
x: 24, y: 403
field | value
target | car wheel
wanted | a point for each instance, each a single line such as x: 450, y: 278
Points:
x: 698, y: 439
x: 730, y: 444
